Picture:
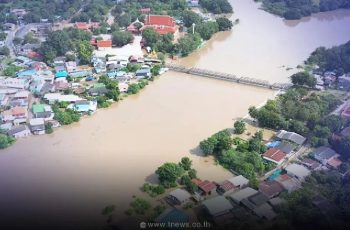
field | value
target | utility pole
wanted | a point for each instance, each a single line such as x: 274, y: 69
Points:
x: 193, y: 25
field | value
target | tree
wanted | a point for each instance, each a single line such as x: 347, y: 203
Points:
x: 4, y: 51
x: 6, y: 141
x: 189, y: 17
x: 239, y: 127
x: 133, y: 88
x: 85, y: 52
x: 188, y: 43
x: 17, y: 41
x: 303, y: 78
x: 151, y: 36
x: 185, y: 163
x: 207, y: 30
x: 121, y: 38
x: 224, y: 24
x: 29, y: 38
x: 169, y: 172
x: 208, y: 145
x: 333, y: 122
x: 192, y: 173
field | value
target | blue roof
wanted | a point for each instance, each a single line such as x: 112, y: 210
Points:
x: 275, y: 174
x: 173, y: 216
x: 28, y: 72
x: 273, y: 144
x: 61, y: 74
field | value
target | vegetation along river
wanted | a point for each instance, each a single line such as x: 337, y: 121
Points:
x: 104, y: 159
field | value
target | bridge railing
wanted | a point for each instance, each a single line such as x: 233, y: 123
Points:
x: 228, y: 77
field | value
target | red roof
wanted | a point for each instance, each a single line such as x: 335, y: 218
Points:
x: 270, y: 188
x: 335, y: 163
x: 275, y: 154
x: 104, y: 44
x: 207, y: 186
x: 283, y: 177
x: 227, y: 185
x: 159, y: 20
x: 82, y: 25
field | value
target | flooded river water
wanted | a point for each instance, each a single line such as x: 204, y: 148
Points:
x: 73, y: 173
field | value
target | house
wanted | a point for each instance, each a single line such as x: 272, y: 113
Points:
x: 71, y: 66
x: 324, y: 154
x: 257, y: 203
x: 193, y: 3
x: 276, y: 202
x: 123, y: 87
x: 286, y: 147
x: 346, y: 111
x: 37, y: 126
x: 23, y: 94
x: 145, y: 10
x: 206, y: 187
x: 59, y: 61
x: 60, y: 72
x: 344, y: 82
x: 83, y: 106
x: 104, y: 44
x: 311, y: 164
x: 98, y: 89
x: 290, y: 184
x: 143, y: 73
x: 345, y: 132
x: 57, y: 97
x: 19, y: 12
x: 99, y: 64
x: 238, y: 196
x: 231, y: 184
x: 4, y: 99
x: 61, y: 85
x: 334, y: 163
x: 297, y: 171
x: 82, y: 26
x: 162, y: 24
x: 14, y: 113
x: 217, y: 206
x: 173, y: 216
x: 291, y: 136
x: 6, y: 126
x: 179, y: 196
x: 43, y: 111
x: 270, y: 188
x: 275, y: 155
x: 19, y: 103
x: 19, y: 131
x: 14, y: 83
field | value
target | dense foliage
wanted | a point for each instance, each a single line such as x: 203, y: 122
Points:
x: 333, y: 59
x: 216, y: 6
x: 302, y: 211
x: 297, y: 9
x: 6, y: 141
x: 40, y: 9
x: 60, y: 42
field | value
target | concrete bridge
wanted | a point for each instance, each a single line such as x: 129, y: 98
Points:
x: 228, y: 77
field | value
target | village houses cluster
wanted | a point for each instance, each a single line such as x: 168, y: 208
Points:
x: 233, y: 199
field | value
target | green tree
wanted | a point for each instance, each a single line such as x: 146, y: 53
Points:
x: 151, y: 36
x: 169, y: 172
x: 207, y: 30
x: 85, y: 52
x: 122, y: 38
x: 185, y: 163
x: 133, y: 88
x: 4, y: 51
x: 6, y: 141
x: 224, y: 24
x: 192, y: 173
x: 239, y: 127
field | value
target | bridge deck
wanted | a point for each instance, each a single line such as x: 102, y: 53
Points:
x: 228, y: 77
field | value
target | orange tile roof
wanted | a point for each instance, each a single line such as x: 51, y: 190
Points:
x: 82, y: 25
x: 275, y: 154
x: 160, y: 20
x: 18, y: 111
x: 104, y: 43
x: 335, y: 163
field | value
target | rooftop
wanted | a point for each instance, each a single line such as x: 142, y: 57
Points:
x: 324, y: 153
x: 180, y: 194
x: 270, y: 188
x: 242, y: 194
x: 297, y: 170
x: 275, y: 155
x: 291, y: 136
x: 217, y: 205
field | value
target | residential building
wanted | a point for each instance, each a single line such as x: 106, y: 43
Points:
x: 4, y: 99
x: 238, y: 196
x: 206, y: 187
x: 290, y: 184
x: 232, y: 184
x: 43, y: 111
x: 311, y: 164
x: 19, y: 131
x: 291, y: 136
x: 324, y: 154
x: 297, y: 171
x: 37, y: 126
x: 275, y: 155
x: 217, y: 206
x: 179, y: 196
x: 71, y: 66
x: 172, y: 215
x: 14, y: 83
x: 270, y: 188
x: 123, y: 87
x: 14, y: 113
x: 84, y: 106
x: 257, y: 203
x: 6, y: 126
x: 285, y: 147
x: 143, y: 73
x: 98, y: 89
x: 104, y: 44
x: 162, y: 24
x: 57, y: 97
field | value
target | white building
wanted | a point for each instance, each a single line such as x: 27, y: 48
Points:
x: 297, y: 171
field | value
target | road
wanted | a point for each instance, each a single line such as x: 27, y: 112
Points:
x: 9, y: 42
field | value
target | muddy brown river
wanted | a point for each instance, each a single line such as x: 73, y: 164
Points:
x: 67, y: 178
